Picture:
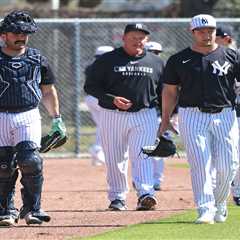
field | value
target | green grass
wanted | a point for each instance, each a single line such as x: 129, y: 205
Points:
x: 178, y: 227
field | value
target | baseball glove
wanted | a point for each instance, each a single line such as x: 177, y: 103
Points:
x: 163, y: 148
x: 49, y: 142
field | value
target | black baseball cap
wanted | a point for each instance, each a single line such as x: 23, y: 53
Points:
x: 223, y: 31
x: 136, y: 27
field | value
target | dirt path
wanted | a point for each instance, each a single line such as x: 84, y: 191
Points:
x: 75, y: 196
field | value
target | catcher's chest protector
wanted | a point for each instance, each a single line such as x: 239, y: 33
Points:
x: 20, y: 78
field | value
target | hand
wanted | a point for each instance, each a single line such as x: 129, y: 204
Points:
x: 163, y: 127
x: 58, y: 126
x: 122, y: 103
x: 236, y: 87
x: 173, y: 126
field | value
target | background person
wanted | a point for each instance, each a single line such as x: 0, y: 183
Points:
x: 127, y: 83
x: 158, y: 163
x: 95, y: 149
x: 225, y: 38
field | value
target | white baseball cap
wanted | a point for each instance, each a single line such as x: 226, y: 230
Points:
x: 153, y: 46
x: 103, y: 49
x: 202, y: 20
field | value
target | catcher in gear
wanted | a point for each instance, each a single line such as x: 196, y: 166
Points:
x: 27, y: 80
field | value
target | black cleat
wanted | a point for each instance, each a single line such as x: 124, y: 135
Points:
x: 117, y: 205
x: 34, y: 217
x: 236, y: 200
x: 146, y: 202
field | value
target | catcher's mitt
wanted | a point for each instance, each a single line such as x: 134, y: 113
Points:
x: 49, y: 142
x: 163, y: 148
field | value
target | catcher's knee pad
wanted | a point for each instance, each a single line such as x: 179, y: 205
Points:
x: 28, y: 158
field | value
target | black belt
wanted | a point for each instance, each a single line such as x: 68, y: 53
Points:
x: 16, y: 110
x: 210, y: 110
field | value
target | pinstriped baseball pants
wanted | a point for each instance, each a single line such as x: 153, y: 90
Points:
x: 128, y: 131
x: 236, y: 181
x: 206, y: 137
x: 18, y: 127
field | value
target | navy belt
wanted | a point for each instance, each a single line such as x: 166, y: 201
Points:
x: 210, y: 110
x: 16, y: 110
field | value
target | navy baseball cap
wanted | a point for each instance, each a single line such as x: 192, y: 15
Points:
x: 223, y: 31
x: 136, y: 27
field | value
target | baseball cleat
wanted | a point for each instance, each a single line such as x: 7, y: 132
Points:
x: 117, y: 205
x: 236, y: 200
x: 157, y: 187
x: 205, y: 218
x: 221, y: 214
x: 10, y: 218
x: 30, y: 219
x: 146, y: 202
x: 34, y: 217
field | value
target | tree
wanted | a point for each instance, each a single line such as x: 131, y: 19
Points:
x: 89, y: 4
x: 189, y: 8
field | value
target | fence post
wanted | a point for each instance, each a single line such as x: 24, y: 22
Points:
x: 77, y: 73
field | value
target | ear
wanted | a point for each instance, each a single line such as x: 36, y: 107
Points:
x: 3, y: 36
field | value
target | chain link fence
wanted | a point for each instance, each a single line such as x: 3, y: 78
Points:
x: 70, y: 44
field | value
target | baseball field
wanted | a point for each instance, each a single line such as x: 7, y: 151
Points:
x: 75, y: 195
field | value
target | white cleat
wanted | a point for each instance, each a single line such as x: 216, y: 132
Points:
x: 8, y: 222
x: 205, y: 218
x: 221, y: 215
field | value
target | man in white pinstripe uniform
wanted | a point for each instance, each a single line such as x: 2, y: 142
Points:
x: 127, y: 83
x: 25, y: 77
x: 203, y: 76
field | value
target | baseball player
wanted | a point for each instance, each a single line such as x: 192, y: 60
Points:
x: 203, y: 77
x: 224, y: 36
x: 127, y: 82
x: 96, y: 150
x: 25, y: 78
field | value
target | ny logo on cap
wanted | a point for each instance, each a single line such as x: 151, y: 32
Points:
x: 204, y: 21
x: 139, y: 25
